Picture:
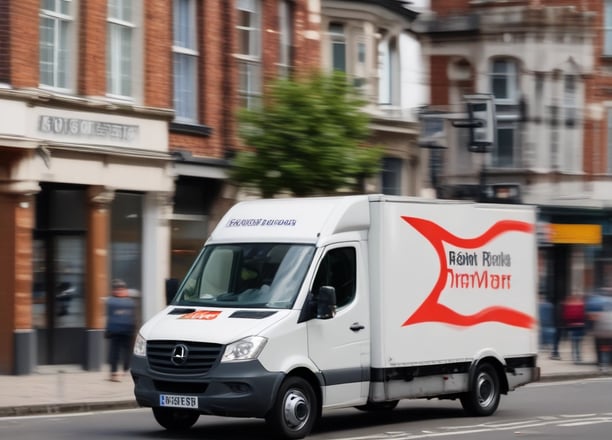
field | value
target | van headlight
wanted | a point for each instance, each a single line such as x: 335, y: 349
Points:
x: 140, y: 346
x: 244, y: 350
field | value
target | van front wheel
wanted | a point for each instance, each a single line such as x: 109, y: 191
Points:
x: 295, y: 411
x: 483, y: 396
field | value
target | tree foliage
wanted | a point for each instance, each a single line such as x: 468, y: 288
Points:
x: 308, y: 137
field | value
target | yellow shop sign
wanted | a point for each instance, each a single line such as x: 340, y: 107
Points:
x: 574, y: 233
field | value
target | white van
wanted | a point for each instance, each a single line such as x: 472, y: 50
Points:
x: 299, y: 305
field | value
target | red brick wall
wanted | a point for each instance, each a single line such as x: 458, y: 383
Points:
x: 92, y: 48
x: 5, y: 35
x: 218, y: 99
x: 307, y: 50
x: 7, y: 287
x: 158, y: 53
x: 443, y: 7
x: 16, y: 223
x: 439, y: 83
x: 218, y: 95
x: 24, y: 43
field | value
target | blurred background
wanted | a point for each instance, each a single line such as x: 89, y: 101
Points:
x: 128, y: 127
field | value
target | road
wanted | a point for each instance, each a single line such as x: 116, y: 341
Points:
x: 546, y: 411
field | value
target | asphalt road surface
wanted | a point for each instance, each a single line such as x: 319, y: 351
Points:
x: 543, y: 411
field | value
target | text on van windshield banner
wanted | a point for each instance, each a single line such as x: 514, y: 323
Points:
x: 253, y: 222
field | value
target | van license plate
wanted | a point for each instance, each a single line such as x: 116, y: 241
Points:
x: 178, y: 401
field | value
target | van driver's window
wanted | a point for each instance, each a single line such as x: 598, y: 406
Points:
x: 337, y: 269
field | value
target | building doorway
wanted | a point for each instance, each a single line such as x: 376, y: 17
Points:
x: 58, y: 291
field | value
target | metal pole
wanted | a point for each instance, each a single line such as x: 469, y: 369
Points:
x: 482, y: 184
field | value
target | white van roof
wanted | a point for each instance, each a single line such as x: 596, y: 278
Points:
x: 295, y: 220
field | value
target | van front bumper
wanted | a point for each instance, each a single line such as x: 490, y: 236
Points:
x: 236, y: 389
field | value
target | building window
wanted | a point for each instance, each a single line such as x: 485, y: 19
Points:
x: 285, y: 26
x: 185, y: 54
x: 56, y: 38
x: 338, y: 46
x: 505, y: 151
x: 538, y: 107
x: 389, y: 67
x: 249, y: 52
x: 607, y: 48
x: 392, y: 176
x: 570, y: 100
x: 120, y: 48
x: 503, y: 75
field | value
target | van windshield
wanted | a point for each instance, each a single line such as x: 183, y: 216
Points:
x: 257, y: 275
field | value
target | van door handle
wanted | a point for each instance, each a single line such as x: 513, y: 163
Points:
x: 356, y: 327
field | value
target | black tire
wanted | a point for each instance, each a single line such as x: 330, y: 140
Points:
x: 296, y: 409
x: 378, y: 406
x: 175, y: 419
x: 483, y: 396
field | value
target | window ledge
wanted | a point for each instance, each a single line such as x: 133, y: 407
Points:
x: 194, y: 129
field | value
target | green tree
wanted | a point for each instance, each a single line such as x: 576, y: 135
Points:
x: 308, y: 137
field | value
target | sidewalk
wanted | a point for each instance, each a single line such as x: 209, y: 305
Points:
x: 60, y: 388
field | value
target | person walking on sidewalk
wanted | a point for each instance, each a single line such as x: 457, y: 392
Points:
x: 602, y: 332
x: 120, y: 325
x: 574, y: 322
x: 558, y: 332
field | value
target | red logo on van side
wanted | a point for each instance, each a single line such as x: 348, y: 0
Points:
x: 431, y: 310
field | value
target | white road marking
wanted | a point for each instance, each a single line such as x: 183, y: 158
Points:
x: 520, y: 427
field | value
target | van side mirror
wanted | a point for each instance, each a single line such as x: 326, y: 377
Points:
x: 172, y: 285
x: 326, y: 302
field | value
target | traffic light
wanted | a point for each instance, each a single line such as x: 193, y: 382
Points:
x: 481, y: 114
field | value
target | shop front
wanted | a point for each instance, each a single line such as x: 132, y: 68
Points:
x: 85, y: 197
x: 572, y: 245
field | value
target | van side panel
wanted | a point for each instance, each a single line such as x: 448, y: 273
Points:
x: 451, y: 282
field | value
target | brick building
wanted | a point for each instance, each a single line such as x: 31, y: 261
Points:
x: 547, y: 65
x: 371, y: 41
x: 117, y: 125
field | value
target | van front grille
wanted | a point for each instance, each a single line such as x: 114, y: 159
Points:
x: 182, y: 357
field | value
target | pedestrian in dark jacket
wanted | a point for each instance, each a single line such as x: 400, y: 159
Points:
x: 120, y: 323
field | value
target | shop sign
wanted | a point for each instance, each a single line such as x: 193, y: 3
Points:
x: 76, y: 127
x: 574, y: 234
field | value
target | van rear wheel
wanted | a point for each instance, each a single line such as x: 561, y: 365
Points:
x: 296, y: 409
x: 483, y: 396
x: 175, y: 419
